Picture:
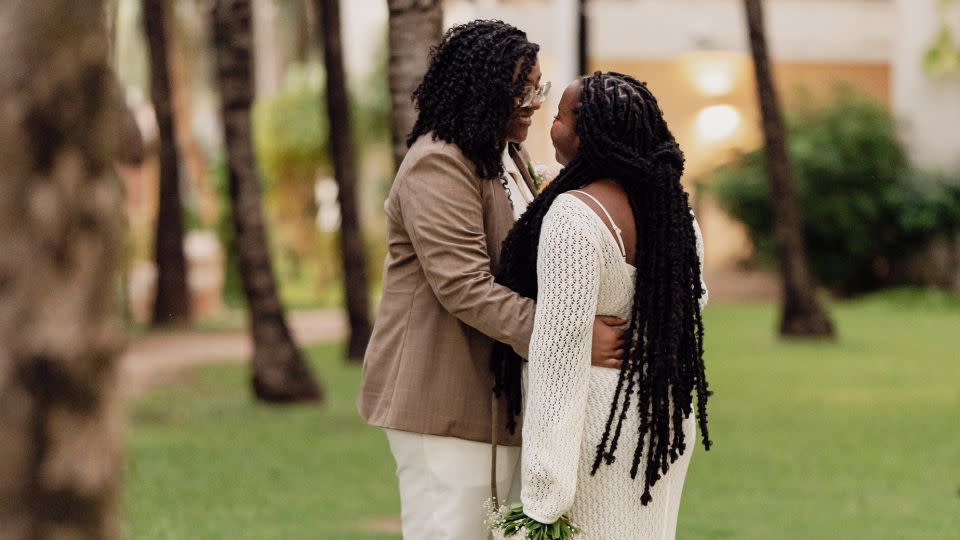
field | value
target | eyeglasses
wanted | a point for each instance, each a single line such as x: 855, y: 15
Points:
x: 540, y: 91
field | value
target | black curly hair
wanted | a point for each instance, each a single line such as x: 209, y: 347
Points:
x: 468, y: 95
x: 624, y: 137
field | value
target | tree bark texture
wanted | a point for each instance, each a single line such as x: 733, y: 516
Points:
x: 415, y: 27
x: 280, y: 373
x: 60, y: 232
x: 355, y: 281
x: 802, y: 314
x: 583, y: 38
x: 172, y: 296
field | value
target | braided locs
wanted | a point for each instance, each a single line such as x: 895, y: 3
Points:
x: 468, y: 94
x: 624, y: 136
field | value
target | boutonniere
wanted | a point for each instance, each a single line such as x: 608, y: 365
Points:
x: 541, y: 174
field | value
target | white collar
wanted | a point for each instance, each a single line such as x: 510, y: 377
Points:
x: 508, y: 161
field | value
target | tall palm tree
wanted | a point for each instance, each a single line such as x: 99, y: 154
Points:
x: 802, y: 313
x: 172, y: 299
x: 341, y: 143
x: 280, y: 373
x: 60, y: 333
x: 583, y: 38
x: 414, y: 27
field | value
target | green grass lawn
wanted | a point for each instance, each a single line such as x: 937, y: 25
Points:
x: 854, y: 439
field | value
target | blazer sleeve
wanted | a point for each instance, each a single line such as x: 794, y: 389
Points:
x: 443, y: 213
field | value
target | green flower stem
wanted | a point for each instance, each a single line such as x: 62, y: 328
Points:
x: 515, y: 519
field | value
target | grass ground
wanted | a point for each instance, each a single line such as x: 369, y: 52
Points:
x: 853, y: 439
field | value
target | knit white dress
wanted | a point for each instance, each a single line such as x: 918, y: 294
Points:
x: 582, y: 273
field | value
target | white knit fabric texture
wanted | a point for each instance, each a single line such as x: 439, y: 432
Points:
x: 581, y: 274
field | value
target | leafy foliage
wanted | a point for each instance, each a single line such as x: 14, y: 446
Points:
x: 862, y: 205
x: 290, y: 127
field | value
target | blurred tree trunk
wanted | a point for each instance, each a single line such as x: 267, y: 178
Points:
x: 131, y: 150
x: 111, y: 9
x: 341, y: 144
x: 60, y: 334
x: 414, y: 27
x: 802, y: 313
x: 280, y: 373
x: 583, y: 38
x: 172, y: 297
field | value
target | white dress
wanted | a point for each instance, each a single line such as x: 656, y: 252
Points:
x: 582, y: 273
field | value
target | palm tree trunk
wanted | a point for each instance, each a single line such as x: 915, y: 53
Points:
x: 341, y: 140
x: 172, y: 299
x: 60, y: 228
x: 583, y: 51
x: 280, y: 373
x: 414, y: 27
x: 802, y: 313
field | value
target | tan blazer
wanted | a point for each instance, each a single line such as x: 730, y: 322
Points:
x: 426, y: 369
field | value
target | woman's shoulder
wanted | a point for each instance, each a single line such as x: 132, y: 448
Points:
x: 431, y: 160
x: 429, y: 145
x: 572, y: 206
x: 570, y: 218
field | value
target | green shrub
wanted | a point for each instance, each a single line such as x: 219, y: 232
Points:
x: 290, y: 128
x: 863, y: 207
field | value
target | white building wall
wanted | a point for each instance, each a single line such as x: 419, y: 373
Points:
x: 821, y: 31
x: 929, y: 107
x: 896, y: 32
x: 798, y: 30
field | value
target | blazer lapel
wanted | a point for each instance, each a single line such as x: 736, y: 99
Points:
x: 499, y: 218
x: 522, y: 159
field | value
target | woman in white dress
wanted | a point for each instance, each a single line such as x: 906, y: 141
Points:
x: 613, y: 234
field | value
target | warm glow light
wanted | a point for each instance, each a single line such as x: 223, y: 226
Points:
x: 713, y: 79
x: 713, y: 73
x: 717, y: 122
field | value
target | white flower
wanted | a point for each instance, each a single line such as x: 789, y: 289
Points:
x: 542, y: 174
x: 545, y: 173
x: 494, y: 515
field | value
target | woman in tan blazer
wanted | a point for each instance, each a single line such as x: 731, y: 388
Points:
x: 463, y: 182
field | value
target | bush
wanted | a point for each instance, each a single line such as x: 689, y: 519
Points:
x: 290, y: 128
x: 863, y: 207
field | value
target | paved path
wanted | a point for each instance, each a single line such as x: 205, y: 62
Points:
x: 159, y: 357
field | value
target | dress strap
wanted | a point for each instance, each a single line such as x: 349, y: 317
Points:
x: 613, y: 224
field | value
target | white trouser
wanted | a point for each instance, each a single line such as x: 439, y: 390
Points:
x: 444, y: 482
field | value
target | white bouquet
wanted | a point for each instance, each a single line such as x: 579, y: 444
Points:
x: 509, y: 522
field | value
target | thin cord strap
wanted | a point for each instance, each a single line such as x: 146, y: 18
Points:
x: 494, y: 418
x: 613, y: 224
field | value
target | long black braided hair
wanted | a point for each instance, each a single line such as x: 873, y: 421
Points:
x: 468, y: 95
x: 624, y: 136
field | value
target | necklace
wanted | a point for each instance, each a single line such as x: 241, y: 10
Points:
x: 506, y: 188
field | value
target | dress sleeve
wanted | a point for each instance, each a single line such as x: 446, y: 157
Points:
x: 568, y: 273
x: 703, y: 284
